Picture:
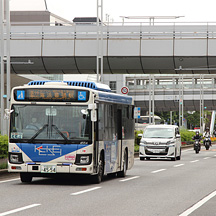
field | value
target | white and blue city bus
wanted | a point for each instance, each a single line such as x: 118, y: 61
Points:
x: 59, y: 127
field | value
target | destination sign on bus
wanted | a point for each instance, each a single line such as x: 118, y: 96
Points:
x: 50, y: 95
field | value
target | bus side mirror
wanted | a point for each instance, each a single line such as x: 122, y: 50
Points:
x: 93, y: 108
x: 7, y: 113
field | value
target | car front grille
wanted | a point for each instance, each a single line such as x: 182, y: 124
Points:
x: 156, y: 150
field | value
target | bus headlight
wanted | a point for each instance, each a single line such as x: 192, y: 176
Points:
x: 15, y: 158
x: 84, y: 159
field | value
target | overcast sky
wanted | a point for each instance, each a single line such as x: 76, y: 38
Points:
x: 193, y: 10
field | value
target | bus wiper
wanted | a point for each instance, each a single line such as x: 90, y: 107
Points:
x: 60, y: 133
x: 37, y: 133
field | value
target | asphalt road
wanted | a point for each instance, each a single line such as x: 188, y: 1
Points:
x: 151, y: 188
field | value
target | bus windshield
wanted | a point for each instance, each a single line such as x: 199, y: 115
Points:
x: 51, y: 124
x: 145, y: 120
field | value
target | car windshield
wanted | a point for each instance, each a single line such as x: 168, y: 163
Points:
x: 158, y: 133
x: 56, y: 124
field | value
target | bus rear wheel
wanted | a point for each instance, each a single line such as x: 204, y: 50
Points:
x: 25, y: 177
x: 123, y: 172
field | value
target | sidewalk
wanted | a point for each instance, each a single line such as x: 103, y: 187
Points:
x: 2, y: 171
x: 3, y: 160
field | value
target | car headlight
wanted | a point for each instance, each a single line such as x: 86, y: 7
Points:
x: 84, y: 159
x: 171, y: 142
x: 15, y: 158
x: 143, y: 142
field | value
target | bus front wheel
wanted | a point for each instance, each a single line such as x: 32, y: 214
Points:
x: 123, y: 172
x: 98, y: 178
x: 25, y: 177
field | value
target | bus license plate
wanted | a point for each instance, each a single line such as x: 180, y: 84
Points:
x: 48, y: 168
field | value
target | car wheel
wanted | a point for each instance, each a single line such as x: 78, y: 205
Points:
x: 179, y: 157
x: 174, y: 158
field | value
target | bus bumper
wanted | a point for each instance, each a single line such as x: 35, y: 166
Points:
x: 50, y: 168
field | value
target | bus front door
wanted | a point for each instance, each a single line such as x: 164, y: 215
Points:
x: 119, y: 128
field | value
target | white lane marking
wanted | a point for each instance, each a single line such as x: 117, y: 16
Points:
x: 198, y: 204
x: 19, y: 209
x: 178, y: 165
x: 128, y: 179
x: 85, y: 191
x: 194, y: 161
x: 206, y: 158
x: 187, y: 150
x: 9, y: 180
x: 160, y: 170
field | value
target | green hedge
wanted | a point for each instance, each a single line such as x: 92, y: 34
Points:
x: 186, y: 136
x: 136, y: 140
x: 3, y: 146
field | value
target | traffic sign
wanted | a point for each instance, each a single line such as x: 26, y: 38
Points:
x: 124, y: 90
x: 137, y: 112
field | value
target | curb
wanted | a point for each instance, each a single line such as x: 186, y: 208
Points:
x: 3, y: 171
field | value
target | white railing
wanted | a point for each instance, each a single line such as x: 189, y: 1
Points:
x: 114, y: 31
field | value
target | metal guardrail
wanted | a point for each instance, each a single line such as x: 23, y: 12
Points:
x: 165, y: 87
x: 115, y: 31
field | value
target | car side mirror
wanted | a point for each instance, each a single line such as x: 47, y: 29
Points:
x: 140, y: 135
x: 178, y: 136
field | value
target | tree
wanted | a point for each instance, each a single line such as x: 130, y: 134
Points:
x: 165, y: 116
x: 193, y: 120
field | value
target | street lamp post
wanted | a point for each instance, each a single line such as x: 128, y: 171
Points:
x: 181, y: 101
x: 5, y: 21
x: 99, y: 61
x: 201, y: 104
x: 170, y: 117
x: 182, y: 93
x: 7, y: 8
x: 151, y: 99
x: 2, y: 62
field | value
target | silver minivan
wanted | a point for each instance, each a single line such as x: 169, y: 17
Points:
x: 160, y: 141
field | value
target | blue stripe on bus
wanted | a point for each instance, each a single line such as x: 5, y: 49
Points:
x: 115, y: 98
x: 47, y: 152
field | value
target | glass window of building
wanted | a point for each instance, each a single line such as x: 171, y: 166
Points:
x: 112, y: 85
